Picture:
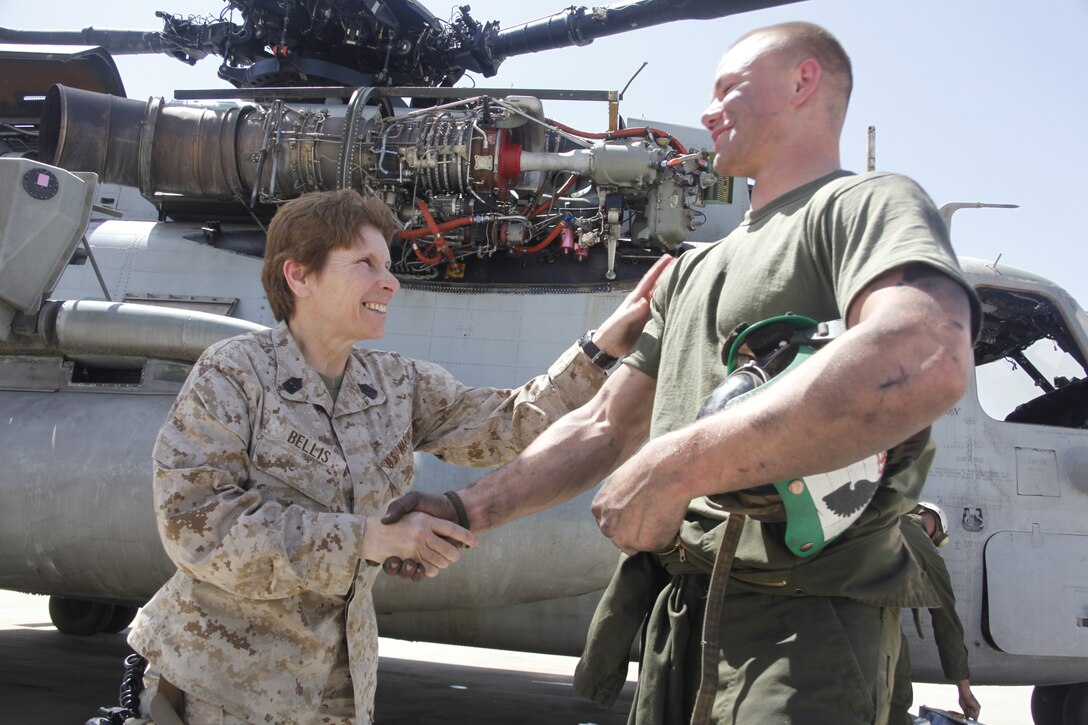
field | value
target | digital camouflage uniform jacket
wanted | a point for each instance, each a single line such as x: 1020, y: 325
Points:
x: 251, y: 471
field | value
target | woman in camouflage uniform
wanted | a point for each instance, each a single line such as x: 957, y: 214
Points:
x: 276, y: 462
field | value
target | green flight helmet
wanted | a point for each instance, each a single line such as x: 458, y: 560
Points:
x: 815, y: 508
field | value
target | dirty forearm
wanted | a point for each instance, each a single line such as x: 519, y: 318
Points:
x: 888, y: 377
x: 570, y: 457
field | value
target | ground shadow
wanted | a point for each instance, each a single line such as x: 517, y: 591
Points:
x: 49, y: 677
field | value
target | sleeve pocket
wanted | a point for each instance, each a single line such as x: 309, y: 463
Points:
x: 397, y: 463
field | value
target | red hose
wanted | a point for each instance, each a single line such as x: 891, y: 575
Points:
x: 629, y: 132
x: 559, y: 192
x: 424, y: 258
x: 626, y: 133
x: 443, y: 227
x: 576, y: 132
x: 440, y: 245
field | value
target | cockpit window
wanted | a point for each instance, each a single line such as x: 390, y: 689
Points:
x: 1029, y: 368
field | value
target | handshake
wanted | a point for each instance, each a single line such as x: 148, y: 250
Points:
x: 418, y: 535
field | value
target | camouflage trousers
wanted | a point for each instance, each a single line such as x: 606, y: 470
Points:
x: 198, y: 712
x: 337, y: 706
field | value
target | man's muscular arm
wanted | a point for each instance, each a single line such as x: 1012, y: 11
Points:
x: 575, y: 453
x: 616, y: 336
x: 904, y: 360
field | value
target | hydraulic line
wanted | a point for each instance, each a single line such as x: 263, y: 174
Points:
x: 634, y: 132
x: 440, y: 245
x: 558, y: 193
x: 546, y: 241
x: 443, y: 227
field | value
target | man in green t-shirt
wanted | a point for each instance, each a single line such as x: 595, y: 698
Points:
x: 807, y: 640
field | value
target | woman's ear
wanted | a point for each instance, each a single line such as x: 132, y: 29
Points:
x: 298, y: 278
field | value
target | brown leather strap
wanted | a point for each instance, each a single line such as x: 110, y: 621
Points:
x: 459, y: 508
x: 715, y: 597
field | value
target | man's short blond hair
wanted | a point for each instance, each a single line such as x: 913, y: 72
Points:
x: 808, y: 40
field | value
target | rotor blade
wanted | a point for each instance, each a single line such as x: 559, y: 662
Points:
x: 117, y: 42
x: 581, y: 25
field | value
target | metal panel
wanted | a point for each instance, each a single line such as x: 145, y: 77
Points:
x: 212, y: 305
x: 22, y: 372
x: 43, y: 212
x: 1037, y: 593
x: 1037, y: 472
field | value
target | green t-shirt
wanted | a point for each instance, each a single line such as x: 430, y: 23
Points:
x: 809, y: 252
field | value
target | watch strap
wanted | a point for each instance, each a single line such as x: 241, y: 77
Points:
x: 597, y: 356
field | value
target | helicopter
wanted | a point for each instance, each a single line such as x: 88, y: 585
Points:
x: 519, y: 233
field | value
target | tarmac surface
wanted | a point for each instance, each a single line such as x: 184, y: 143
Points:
x: 47, y: 677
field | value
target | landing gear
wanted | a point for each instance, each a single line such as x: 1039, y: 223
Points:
x: 1076, y: 704
x: 82, y: 618
x: 79, y: 617
x: 122, y: 617
x: 1060, y: 704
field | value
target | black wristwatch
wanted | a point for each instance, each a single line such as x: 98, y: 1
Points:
x: 598, y: 357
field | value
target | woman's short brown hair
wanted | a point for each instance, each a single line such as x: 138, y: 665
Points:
x: 306, y: 229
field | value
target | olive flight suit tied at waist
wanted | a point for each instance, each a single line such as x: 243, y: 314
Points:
x: 650, y: 588
x: 630, y: 597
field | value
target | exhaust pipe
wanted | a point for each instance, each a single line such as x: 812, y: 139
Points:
x: 158, y: 147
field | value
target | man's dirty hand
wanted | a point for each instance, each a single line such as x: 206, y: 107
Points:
x: 438, y: 506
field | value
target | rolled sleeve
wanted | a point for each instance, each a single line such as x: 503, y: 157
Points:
x: 489, y: 426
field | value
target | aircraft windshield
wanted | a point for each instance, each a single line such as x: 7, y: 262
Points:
x: 1029, y: 368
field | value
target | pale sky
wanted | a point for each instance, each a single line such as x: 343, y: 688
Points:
x: 978, y: 100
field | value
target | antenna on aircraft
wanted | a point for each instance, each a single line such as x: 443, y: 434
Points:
x: 947, y: 210
x: 870, y: 147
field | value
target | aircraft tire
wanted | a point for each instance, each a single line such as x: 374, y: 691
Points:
x: 1075, y: 711
x: 1046, y: 704
x: 121, y: 618
x: 79, y: 617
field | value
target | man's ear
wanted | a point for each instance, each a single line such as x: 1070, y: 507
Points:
x: 298, y: 278
x: 806, y: 80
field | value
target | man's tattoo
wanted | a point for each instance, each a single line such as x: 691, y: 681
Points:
x: 895, y: 382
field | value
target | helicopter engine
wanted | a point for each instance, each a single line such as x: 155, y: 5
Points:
x: 472, y: 177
